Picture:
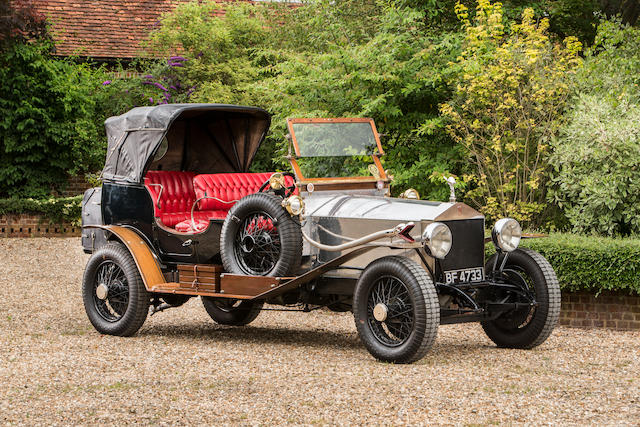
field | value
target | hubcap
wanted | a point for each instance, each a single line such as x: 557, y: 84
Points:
x: 380, y: 312
x: 111, y: 293
x: 248, y: 243
x: 390, y: 311
x: 102, y: 291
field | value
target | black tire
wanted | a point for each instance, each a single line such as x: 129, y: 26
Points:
x: 175, y: 300
x: 125, y: 306
x: 227, y: 311
x: 410, y: 297
x: 527, y: 327
x: 260, y: 238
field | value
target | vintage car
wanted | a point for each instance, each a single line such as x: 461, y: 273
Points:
x: 179, y: 216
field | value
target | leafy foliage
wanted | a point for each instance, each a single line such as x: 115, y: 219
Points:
x: 55, y: 209
x: 50, y: 127
x: 596, y: 176
x: 320, y: 60
x: 590, y: 263
x: 596, y: 171
x: 508, y: 102
x: 20, y: 22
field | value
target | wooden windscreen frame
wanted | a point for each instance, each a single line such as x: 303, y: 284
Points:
x: 374, y: 156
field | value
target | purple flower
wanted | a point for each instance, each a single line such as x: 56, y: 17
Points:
x: 106, y: 82
x: 199, y: 54
x: 177, y: 58
x: 176, y: 64
x: 159, y: 86
x: 173, y: 87
x: 151, y: 100
x: 148, y: 76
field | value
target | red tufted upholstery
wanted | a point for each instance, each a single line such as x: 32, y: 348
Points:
x: 187, y: 227
x: 177, y: 195
x: 228, y: 187
x: 181, y: 189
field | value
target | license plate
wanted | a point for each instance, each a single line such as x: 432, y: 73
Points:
x: 464, y: 275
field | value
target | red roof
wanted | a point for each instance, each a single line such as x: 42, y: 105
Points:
x: 103, y: 28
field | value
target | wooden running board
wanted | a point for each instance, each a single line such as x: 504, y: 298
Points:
x: 209, y: 280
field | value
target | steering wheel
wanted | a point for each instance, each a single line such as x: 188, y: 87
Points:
x: 284, y: 191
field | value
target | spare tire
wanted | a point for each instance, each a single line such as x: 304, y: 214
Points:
x: 260, y: 238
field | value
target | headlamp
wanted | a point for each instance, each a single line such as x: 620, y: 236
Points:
x: 294, y: 205
x: 506, y: 234
x: 437, y: 237
x: 410, y: 194
x: 276, y: 181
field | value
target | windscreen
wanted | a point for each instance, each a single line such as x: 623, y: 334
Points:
x: 334, y: 139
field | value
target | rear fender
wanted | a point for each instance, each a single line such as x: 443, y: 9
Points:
x: 145, y: 259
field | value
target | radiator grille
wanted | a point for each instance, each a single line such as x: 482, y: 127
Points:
x: 467, y: 249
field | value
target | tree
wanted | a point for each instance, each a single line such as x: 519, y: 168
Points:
x: 508, y: 103
x: 49, y: 128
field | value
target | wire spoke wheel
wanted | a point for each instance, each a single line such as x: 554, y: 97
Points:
x: 111, y: 291
x: 257, y: 244
x: 114, y: 295
x: 390, y: 295
x: 260, y: 238
x: 520, y: 317
x: 396, y: 309
x: 527, y: 326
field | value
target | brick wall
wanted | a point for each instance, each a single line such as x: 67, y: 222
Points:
x: 33, y: 225
x: 608, y: 310
x: 75, y: 186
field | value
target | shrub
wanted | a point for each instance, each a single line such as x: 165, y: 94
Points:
x: 507, y: 105
x: 50, y: 126
x: 596, y: 176
x: 319, y: 59
x: 589, y: 263
x: 55, y: 209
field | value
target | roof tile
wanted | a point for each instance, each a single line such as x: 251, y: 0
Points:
x: 103, y: 28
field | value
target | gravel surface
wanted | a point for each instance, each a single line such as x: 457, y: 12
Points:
x: 303, y: 368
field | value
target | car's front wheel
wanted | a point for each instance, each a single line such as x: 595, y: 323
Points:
x: 114, y: 295
x: 396, y: 310
x: 528, y: 326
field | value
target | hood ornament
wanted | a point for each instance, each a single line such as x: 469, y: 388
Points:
x: 451, y: 181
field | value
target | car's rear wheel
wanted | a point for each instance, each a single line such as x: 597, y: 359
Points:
x: 114, y: 295
x: 227, y: 311
x: 396, y: 310
x: 529, y: 326
x: 260, y: 238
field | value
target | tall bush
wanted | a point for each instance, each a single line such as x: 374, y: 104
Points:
x: 512, y: 88
x: 49, y: 128
x: 596, y: 159
x: 327, y: 58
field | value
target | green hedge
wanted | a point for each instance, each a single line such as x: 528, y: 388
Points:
x: 587, y: 263
x: 55, y: 209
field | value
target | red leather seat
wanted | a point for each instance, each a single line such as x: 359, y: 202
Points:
x: 176, y: 193
x: 227, y: 187
x: 186, y: 226
x: 180, y: 190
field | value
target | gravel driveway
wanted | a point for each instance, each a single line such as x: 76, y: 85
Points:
x: 284, y: 368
